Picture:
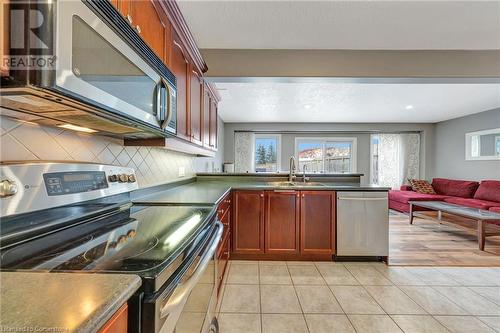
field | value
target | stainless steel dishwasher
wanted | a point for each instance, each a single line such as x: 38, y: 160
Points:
x: 362, y: 225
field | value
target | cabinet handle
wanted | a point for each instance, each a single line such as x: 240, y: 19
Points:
x: 303, y: 195
x: 261, y: 195
x: 138, y: 28
x: 298, y: 195
x: 129, y: 19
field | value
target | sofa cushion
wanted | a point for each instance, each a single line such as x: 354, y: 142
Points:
x: 405, y: 188
x: 495, y: 209
x: 421, y: 186
x: 455, y: 188
x: 405, y: 196
x: 403, y: 207
x: 470, y: 202
x: 489, y: 190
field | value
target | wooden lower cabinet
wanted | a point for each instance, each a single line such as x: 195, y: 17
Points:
x: 317, y: 222
x: 276, y: 225
x: 282, y: 222
x: 118, y: 323
x: 248, y: 222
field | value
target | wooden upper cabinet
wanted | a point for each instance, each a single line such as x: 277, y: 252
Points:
x: 213, y: 124
x: 180, y: 68
x: 248, y: 222
x: 196, y: 105
x: 317, y: 222
x: 149, y: 25
x: 282, y: 222
x: 162, y: 27
x: 207, y: 100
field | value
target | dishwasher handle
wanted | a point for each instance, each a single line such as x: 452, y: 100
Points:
x: 362, y: 199
x: 183, y: 290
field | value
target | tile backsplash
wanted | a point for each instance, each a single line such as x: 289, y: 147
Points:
x: 22, y: 141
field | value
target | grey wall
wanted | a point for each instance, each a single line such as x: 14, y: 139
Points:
x: 450, y: 147
x: 363, y: 139
x: 204, y: 164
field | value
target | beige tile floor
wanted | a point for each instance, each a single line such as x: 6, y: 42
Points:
x: 309, y: 297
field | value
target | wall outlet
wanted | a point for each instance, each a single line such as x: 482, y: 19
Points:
x: 182, y: 171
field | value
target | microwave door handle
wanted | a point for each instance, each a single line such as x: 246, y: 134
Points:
x: 168, y: 105
x: 182, y: 291
x: 158, y: 104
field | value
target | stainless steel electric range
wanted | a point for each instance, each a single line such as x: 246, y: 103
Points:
x: 62, y: 217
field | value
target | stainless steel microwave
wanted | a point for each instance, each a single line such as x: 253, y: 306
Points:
x: 85, y: 66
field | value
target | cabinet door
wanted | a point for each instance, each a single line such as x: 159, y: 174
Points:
x: 207, y: 101
x: 148, y: 23
x: 248, y: 222
x: 118, y: 323
x: 317, y: 222
x: 195, y: 105
x: 282, y: 222
x: 213, y: 124
x: 180, y: 67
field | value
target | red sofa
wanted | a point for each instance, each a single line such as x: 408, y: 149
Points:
x: 484, y: 195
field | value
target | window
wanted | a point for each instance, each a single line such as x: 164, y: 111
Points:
x: 497, y: 145
x: 395, y: 157
x: 483, y: 145
x: 326, y: 155
x: 267, y: 153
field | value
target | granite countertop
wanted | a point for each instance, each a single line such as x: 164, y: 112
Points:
x: 211, y: 192
x: 278, y: 174
x: 61, y: 302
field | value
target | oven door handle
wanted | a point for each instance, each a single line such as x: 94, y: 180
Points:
x: 184, y: 289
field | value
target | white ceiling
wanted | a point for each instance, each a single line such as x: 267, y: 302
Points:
x: 353, y: 102
x: 332, y: 24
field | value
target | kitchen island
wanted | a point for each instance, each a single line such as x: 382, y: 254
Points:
x: 267, y: 217
x: 65, y: 302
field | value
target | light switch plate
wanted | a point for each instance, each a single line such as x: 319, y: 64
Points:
x: 182, y: 171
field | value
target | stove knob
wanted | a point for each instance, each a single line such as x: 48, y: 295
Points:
x: 113, y: 178
x: 131, y: 178
x: 123, y: 178
x: 7, y: 188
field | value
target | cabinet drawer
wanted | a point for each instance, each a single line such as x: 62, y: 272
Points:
x: 224, y: 206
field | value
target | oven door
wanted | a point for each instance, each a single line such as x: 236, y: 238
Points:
x: 96, y: 65
x: 190, y: 308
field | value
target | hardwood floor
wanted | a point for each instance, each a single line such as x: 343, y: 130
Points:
x: 427, y: 242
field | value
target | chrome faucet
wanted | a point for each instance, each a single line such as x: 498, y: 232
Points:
x: 291, y: 176
x: 304, y: 178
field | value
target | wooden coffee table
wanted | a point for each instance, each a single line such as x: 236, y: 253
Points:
x: 481, y: 216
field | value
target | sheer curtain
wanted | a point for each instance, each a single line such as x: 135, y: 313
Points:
x: 244, y: 151
x: 395, y: 158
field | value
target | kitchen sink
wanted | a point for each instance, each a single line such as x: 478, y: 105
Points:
x: 296, y: 184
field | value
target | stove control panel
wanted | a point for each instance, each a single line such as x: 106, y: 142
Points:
x: 31, y: 186
x: 58, y: 183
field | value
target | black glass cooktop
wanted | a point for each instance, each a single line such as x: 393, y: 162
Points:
x: 138, y: 239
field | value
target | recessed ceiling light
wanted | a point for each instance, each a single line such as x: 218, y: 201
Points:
x: 307, y: 106
x: 409, y: 107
